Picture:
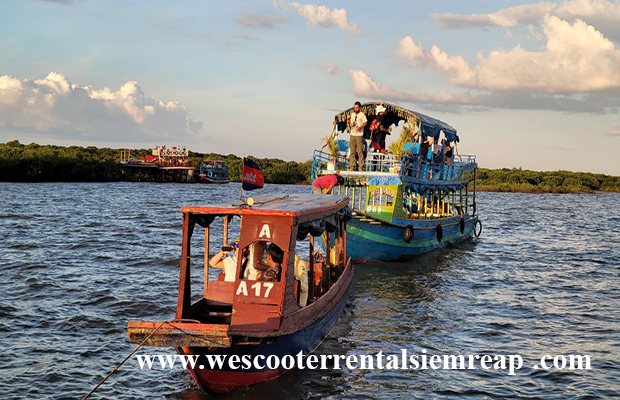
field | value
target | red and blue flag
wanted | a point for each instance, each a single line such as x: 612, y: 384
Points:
x: 252, y: 175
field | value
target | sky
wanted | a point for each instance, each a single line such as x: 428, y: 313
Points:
x: 526, y: 84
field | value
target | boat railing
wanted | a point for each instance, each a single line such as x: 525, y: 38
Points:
x: 375, y: 162
x: 417, y: 168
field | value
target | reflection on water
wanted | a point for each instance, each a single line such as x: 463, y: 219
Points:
x: 80, y: 260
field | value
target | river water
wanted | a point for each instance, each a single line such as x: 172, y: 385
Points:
x: 79, y: 260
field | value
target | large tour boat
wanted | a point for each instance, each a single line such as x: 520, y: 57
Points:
x: 407, y: 203
x: 244, y: 315
x: 213, y: 172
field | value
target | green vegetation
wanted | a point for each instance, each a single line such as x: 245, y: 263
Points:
x: 43, y: 163
x: 518, y: 180
x: 36, y: 163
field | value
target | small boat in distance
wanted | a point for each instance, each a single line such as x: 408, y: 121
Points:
x: 213, y: 171
x: 403, y: 203
x: 240, y: 314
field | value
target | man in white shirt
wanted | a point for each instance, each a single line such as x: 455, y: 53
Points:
x: 357, y: 122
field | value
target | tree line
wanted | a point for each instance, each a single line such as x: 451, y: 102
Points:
x: 46, y: 163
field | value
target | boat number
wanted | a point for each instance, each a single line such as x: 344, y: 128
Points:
x: 243, y: 288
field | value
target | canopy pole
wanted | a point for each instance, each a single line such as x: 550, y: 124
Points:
x: 206, y: 261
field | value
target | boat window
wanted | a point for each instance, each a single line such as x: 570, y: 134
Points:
x: 382, y: 197
x: 255, y: 261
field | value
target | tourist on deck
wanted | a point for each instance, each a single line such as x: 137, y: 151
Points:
x: 437, y: 151
x: 324, y: 184
x: 274, y: 259
x: 448, y: 152
x: 226, y: 260
x: 357, y: 123
x: 301, y: 275
x: 383, y: 128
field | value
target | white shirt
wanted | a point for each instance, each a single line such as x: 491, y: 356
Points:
x: 357, y: 120
x: 230, y: 268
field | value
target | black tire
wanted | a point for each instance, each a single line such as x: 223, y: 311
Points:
x: 439, y: 233
x: 478, y: 224
x: 408, y: 233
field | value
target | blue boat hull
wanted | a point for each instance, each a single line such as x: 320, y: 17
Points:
x: 381, y: 241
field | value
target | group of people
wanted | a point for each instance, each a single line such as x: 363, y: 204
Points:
x: 379, y: 129
x: 228, y: 257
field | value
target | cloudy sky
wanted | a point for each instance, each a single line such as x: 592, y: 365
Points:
x: 527, y: 84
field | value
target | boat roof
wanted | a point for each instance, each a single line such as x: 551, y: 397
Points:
x: 295, y: 205
x: 394, y: 114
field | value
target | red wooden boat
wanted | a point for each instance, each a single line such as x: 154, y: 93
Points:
x: 251, y: 317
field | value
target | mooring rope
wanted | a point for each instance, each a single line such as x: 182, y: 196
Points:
x: 136, y: 349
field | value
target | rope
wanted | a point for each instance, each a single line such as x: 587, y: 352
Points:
x: 136, y: 349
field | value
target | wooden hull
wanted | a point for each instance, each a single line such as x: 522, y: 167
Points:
x: 386, y: 242
x: 225, y: 380
x: 206, y: 179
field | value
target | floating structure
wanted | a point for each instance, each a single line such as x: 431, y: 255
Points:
x: 213, y: 172
x: 164, y: 165
x: 244, y: 315
x: 407, y: 204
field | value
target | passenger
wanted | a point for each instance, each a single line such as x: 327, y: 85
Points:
x: 226, y: 260
x: 301, y: 274
x: 448, y: 153
x: 383, y: 129
x: 274, y: 259
x: 324, y: 184
x: 256, y: 253
x: 357, y: 123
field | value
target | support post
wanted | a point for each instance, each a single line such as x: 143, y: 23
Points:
x: 311, y: 272
x: 206, y: 262
x: 185, y: 295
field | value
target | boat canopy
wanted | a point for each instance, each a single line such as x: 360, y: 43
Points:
x: 394, y: 114
x: 313, y: 214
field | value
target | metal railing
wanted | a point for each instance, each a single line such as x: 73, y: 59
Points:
x: 374, y: 162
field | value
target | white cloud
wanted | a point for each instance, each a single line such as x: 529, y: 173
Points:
x: 321, y: 16
x: 576, y: 59
x: 603, y: 14
x: 55, y: 105
x: 330, y: 68
x: 365, y: 86
x: 253, y: 20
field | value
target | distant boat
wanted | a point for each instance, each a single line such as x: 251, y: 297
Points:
x: 403, y: 205
x: 213, y: 172
x: 250, y: 317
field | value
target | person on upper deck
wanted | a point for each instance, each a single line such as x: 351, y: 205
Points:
x: 324, y: 184
x: 448, y: 152
x: 357, y: 123
x: 383, y: 129
x: 274, y: 259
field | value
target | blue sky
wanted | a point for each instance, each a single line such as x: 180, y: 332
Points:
x: 535, y: 85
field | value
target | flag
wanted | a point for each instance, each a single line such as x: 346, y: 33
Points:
x: 252, y: 175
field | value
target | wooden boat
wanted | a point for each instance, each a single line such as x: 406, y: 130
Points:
x: 249, y: 317
x: 404, y: 204
x: 213, y: 172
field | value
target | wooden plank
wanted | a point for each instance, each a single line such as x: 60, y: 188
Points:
x: 178, y: 334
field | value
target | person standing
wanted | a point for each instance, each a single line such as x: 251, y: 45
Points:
x: 382, y: 129
x: 357, y: 123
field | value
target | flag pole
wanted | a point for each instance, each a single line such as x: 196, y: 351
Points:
x: 242, y: 168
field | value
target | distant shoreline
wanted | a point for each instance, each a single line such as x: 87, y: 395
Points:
x: 46, y: 163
